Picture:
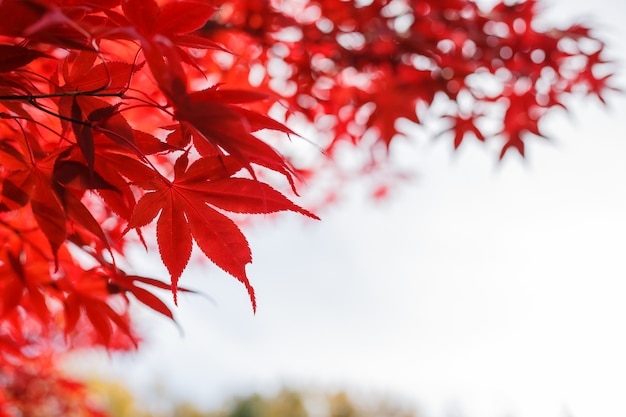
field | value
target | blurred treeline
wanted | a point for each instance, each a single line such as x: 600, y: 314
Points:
x: 117, y: 401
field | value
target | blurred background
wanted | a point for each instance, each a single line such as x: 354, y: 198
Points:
x: 479, y: 288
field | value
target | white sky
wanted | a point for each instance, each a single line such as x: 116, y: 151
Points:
x: 493, y: 289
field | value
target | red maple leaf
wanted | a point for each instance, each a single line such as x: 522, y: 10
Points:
x: 189, y: 209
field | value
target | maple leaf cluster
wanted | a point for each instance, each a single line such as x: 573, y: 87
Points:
x: 105, y: 131
x: 354, y: 68
x: 125, y: 117
x: 38, y: 388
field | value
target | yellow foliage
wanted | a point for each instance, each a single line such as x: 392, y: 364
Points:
x: 118, y: 401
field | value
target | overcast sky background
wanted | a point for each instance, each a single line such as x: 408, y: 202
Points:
x: 491, y: 288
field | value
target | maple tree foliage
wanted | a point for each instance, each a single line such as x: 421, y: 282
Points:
x: 122, y: 118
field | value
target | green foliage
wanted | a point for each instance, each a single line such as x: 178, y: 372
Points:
x: 118, y: 402
x: 286, y: 403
